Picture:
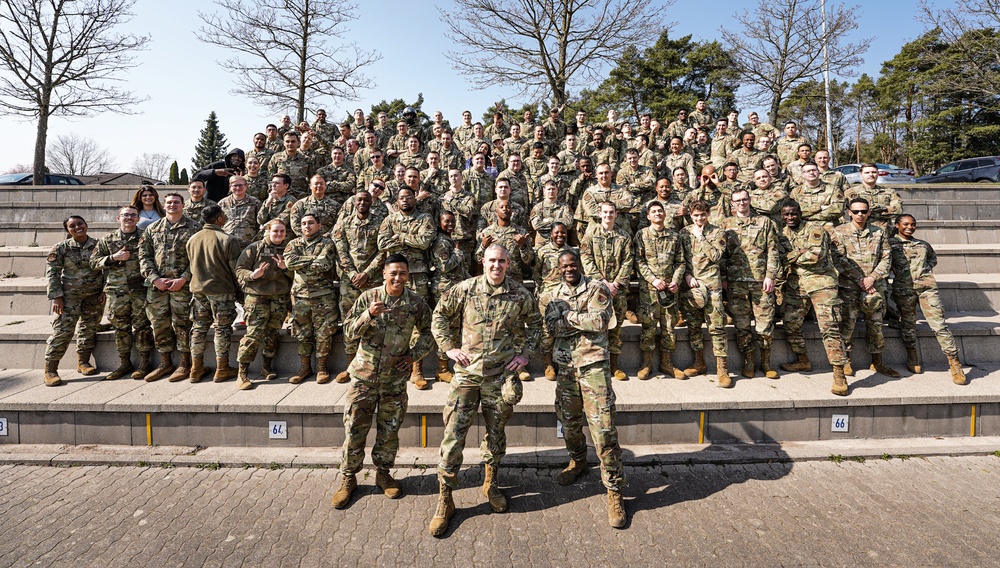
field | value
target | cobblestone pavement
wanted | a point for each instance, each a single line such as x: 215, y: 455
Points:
x: 904, y: 512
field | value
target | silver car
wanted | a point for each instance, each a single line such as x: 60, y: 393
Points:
x: 887, y: 174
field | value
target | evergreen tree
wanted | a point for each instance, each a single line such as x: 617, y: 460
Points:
x: 212, y: 145
x: 184, y: 177
x: 173, y: 178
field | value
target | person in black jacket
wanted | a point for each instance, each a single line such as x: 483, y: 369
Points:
x: 215, y: 176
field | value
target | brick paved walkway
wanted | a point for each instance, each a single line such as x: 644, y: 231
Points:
x: 913, y: 512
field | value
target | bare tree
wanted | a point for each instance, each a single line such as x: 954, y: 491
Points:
x: 154, y: 166
x: 75, y: 155
x: 289, y: 52
x: 780, y: 45
x: 17, y: 169
x: 60, y: 58
x: 970, y: 30
x: 546, y: 47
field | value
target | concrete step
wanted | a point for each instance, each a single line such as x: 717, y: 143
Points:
x: 959, y: 209
x: 76, y: 193
x: 946, y: 192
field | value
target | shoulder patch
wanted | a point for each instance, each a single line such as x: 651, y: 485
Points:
x: 52, y: 257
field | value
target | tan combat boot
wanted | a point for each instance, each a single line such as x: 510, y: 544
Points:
x: 498, y: 503
x: 957, y: 373
x: 667, y: 365
x: 343, y: 377
x: 166, y: 367
x: 52, y: 378
x: 575, y: 470
x: 615, y: 371
x: 198, y: 370
x: 223, y: 371
x: 631, y: 317
x: 765, y: 364
x: 879, y: 367
x: 183, y: 368
x: 748, y: 366
x: 304, y: 372
x: 647, y: 366
x: 243, y: 378
x: 616, y: 509
x: 839, y: 381
x: 322, y: 372
x: 417, y: 377
x: 913, y: 361
x: 343, y: 495
x: 725, y: 381
x: 388, y: 485
x: 525, y: 376
x: 799, y: 365
x: 698, y: 367
x: 443, y: 513
x: 83, y: 365
x: 443, y: 374
x: 145, y: 366
x: 848, y: 369
x: 550, y: 369
x: 124, y: 367
x: 265, y: 369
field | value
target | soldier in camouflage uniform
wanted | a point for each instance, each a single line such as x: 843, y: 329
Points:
x: 489, y: 326
x: 164, y: 263
x: 862, y: 257
x: 463, y: 133
x: 828, y: 175
x: 434, y: 179
x: 588, y: 212
x: 326, y: 132
x: 340, y: 179
x: 213, y: 254
x: 659, y: 261
x: 520, y: 189
x: 719, y: 202
x: 884, y: 201
x: 392, y: 328
x: 601, y: 153
x: 747, y: 157
x: 292, y: 162
x: 547, y: 212
x: 359, y: 259
x: 376, y: 170
x: 751, y: 272
x: 241, y: 212
x: 913, y: 282
x: 515, y: 143
x: 320, y: 205
x: 451, y: 155
x: 580, y: 184
x: 811, y: 280
x: 448, y: 263
x: 793, y: 170
x: 258, y: 184
x: 266, y: 281
x: 77, y: 300
x: 607, y: 254
x: 545, y: 271
x: 117, y: 254
x: 760, y: 129
x: 554, y: 127
x: 778, y: 178
x: 260, y: 151
x: 412, y: 157
x: 273, y: 139
x: 788, y: 145
x: 701, y: 117
x: 723, y: 143
x: 461, y: 203
x: 820, y: 201
x: 488, y: 212
x: 278, y: 204
x: 639, y: 180
x: 677, y: 158
x: 314, y: 309
x: 578, y: 312
x: 766, y: 197
x: 553, y: 174
x: 198, y: 201
x: 396, y: 145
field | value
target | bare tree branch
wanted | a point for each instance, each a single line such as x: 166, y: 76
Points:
x: 970, y: 29
x: 289, y: 52
x: 155, y: 166
x: 75, y: 155
x: 547, y: 47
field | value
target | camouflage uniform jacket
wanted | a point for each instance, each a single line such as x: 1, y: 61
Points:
x: 163, y: 249
x: 605, y: 155
x: 258, y: 186
x: 326, y: 133
x: 241, y: 217
x: 519, y: 192
x: 463, y: 207
x: 492, y: 324
x: 411, y: 235
x: 340, y: 180
x: 787, y: 148
x: 767, y: 201
x: 275, y: 281
x: 544, y: 215
x: 577, y: 188
x: 493, y: 130
x: 912, y: 263
x: 300, y: 168
x: 658, y: 254
x: 264, y: 156
x: 535, y: 168
x: 702, y: 154
x: 705, y: 257
x: 561, y: 181
x: 409, y: 160
x: 312, y: 262
x: 808, y: 253
x: 68, y: 268
x: 357, y: 247
x: 672, y: 207
x: 280, y: 208
x: 673, y: 161
x: 120, y: 276
x: 883, y: 202
x: 193, y: 210
x: 488, y: 215
x: 607, y: 255
x: 519, y: 255
x: 513, y: 145
x: 364, y: 179
x: 648, y: 158
x: 704, y: 119
x: 451, y: 158
x: 722, y: 147
x: 861, y: 253
x: 462, y: 135
x: 589, y: 209
x: 384, y: 338
x: 481, y: 184
x: 567, y: 161
x: 834, y: 178
x: 447, y: 261
x: 437, y: 183
x: 720, y: 204
x: 752, y: 249
x: 554, y: 129
x: 577, y: 319
x: 639, y: 181
x: 749, y: 162
x: 676, y: 128
x: 545, y: 268
x: 325, y: 210
x: 274, y: 146
x: 822, y: 203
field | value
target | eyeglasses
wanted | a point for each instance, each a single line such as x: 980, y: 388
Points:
x: 744, y: 200
x: 859, y: 211
x: 237, y: 185
x: 129, y: 215
x: 377, y: 186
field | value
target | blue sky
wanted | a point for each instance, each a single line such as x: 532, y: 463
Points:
x: 180, y: 76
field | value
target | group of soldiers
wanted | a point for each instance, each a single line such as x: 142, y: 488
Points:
x: 350, y: 227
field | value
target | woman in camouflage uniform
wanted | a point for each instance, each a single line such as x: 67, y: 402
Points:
x: 76, y: 293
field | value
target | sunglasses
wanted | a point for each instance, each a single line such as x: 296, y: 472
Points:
x: 859, y: 211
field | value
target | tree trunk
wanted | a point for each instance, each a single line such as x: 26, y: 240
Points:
x: 41, y: 135
x: 773, y: 115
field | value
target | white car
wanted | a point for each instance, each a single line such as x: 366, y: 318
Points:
x: 887, y: 174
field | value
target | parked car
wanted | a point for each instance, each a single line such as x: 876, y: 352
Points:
x: 985, y: 169
x: 50, y: 179
x: 887, y: 174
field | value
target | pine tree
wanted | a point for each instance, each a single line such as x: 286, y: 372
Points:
x: 184, y: 177
x: 212, y: 145
x: 173, y: 178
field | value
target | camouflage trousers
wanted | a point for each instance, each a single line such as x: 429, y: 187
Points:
x: 386, y: 403
x: 714, y: 313
x: 206, y: 308
x: 853, y: 300
x: 264, y: 316
x: 620, y: 305
x: 314, y: 321
x: 651, y: 314
x: 468, y: 248
x: 933, y: 309
x: 468, y: 393
x: 348, y: 295
x: 127, y: 314
x: 586, y: 392
x: 826, y: 302
x: 420, y: 284
x: 752, y: 311
x: 170, y: 315
x: 81, y: 312
x: 437, y: 290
